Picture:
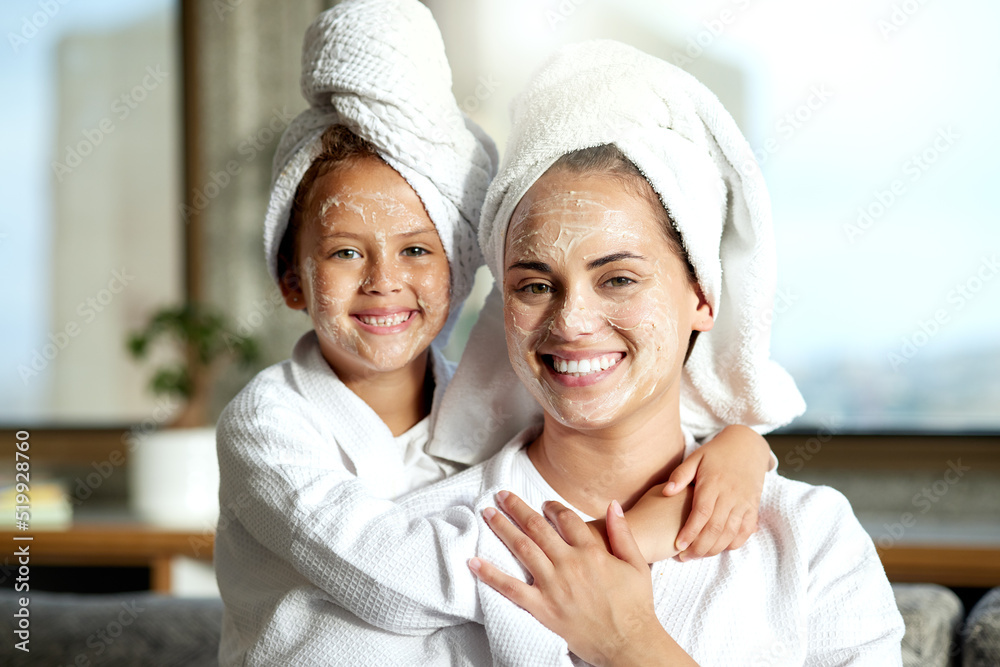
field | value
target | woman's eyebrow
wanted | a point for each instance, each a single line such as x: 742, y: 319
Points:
x: 531, y: 266
x: 614, y: 257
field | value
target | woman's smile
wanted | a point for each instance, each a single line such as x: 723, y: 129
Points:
x: 581, y: 368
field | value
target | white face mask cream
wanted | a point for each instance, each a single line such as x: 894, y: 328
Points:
x: 375, y: 277
x: 598, y: 307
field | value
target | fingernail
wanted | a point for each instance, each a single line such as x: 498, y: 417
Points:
x: 474, y: 565
x: 681, y: 546
x: 489, y: 513
x: 616, y: 508
x: 671, y: 486
x: 502, y: 495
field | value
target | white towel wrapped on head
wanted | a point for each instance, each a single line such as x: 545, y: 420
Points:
x: 680, y: 137
x: 379, y: 68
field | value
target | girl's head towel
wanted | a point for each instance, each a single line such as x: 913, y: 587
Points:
x: 693, y: 154
x: 379, y: 68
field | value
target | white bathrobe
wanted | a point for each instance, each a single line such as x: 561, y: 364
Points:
x: 807, y: 589
x: 306, y: 470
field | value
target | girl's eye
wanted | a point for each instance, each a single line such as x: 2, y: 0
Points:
x: 536, y: 288
x: 415, y: 252
x: 347, y: 253
x: 619, y: 281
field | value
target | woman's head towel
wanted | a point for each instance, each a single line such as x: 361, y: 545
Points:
x: 379, y: 68
x: 693, y: 154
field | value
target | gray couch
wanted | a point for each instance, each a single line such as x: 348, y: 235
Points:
x: 157, y: 631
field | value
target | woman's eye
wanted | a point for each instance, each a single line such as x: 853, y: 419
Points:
x: 415, y: 252
x: 619, y: 281
x: 536, y: 288
x: 346, y: 253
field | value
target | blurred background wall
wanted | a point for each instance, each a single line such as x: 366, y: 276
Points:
x: 872, y: 122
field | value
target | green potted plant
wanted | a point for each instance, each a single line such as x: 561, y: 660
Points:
x: 173, y: 473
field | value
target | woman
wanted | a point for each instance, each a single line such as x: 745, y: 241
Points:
x: 621, y: 235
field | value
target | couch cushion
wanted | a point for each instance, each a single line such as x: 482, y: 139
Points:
x: 982, y: 633
x: 932, y: 615
x: 122, y: 629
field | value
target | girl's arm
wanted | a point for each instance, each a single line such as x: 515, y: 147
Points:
x: 601, y: 603
x: 287, y: 488
x: 728, y: 474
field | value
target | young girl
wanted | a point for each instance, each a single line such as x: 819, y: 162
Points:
x: 369, y: 231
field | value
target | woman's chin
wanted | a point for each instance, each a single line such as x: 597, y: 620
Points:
x: 582, y: 415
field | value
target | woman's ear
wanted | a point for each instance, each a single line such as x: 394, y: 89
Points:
x: 704, y: 318
x: 291, y: 290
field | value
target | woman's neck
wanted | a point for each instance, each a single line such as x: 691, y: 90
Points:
x: 590, y: 468
x: 402, y: 397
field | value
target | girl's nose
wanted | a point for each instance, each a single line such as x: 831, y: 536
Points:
x: 382, y: 277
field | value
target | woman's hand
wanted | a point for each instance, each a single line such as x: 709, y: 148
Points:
x: 728, y: 474
x: 601, y: 603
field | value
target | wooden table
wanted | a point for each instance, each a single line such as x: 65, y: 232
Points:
x: 114, y: 545
x: 951, y: 565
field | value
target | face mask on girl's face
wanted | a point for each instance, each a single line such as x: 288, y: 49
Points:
x: 598, y: 307
x: 374, y: 276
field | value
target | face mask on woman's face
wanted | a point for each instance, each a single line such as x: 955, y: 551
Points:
x: 598, y: 308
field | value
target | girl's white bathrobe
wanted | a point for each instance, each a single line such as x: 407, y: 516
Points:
x: 306, y: 473
x: 305, y: 533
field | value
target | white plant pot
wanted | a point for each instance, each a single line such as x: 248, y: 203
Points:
x: 174, y: 478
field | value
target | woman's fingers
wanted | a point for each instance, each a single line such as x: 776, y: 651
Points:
x: 601, y: 603
x: 623, y: 543
x: 515, y: 590
x: 571, y: 527
x: 524, y: 547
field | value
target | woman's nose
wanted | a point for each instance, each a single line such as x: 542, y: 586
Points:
x: 575, y: 317
x: 382, y: 277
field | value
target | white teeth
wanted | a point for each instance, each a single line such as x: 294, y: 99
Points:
x: 383, y: 321
x: 585, y: 366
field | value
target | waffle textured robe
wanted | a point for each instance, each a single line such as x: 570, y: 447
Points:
x: 307, y: 471
x: 807, y: 589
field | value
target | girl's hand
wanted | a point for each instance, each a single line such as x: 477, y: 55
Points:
x: 601, y: 603
x: 728, y: 473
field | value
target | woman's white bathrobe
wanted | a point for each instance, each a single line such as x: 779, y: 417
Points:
x: 807, y: 589
x: 306, y: 470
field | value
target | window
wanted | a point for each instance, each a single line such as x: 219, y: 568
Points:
x: 90, y: 241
